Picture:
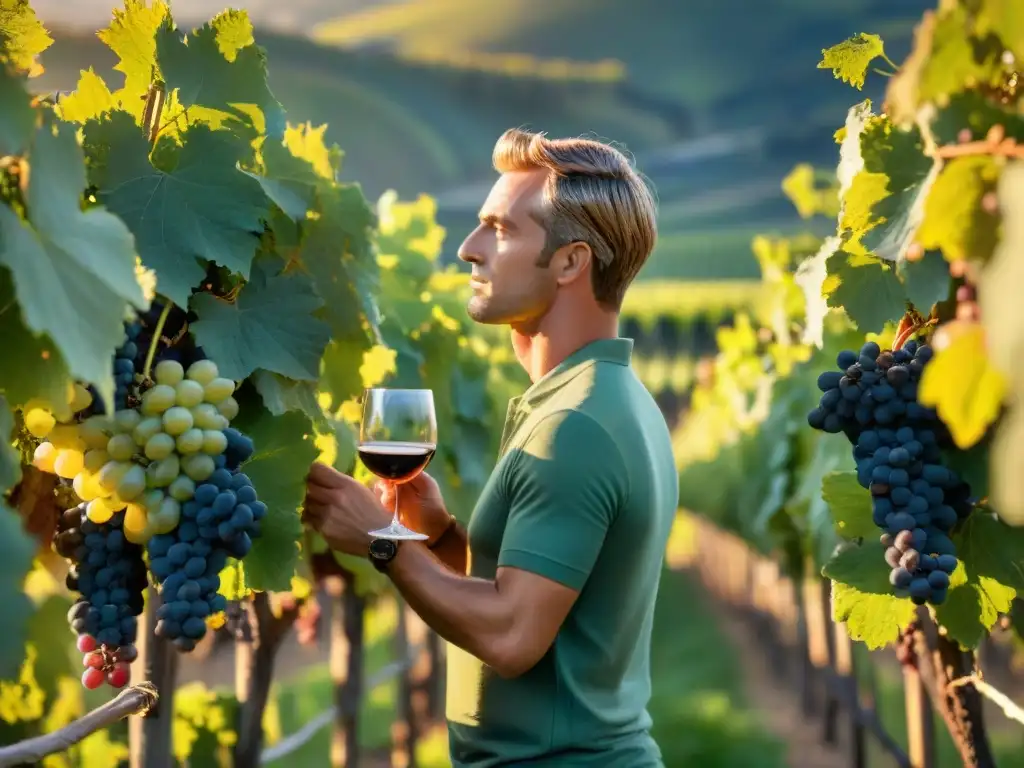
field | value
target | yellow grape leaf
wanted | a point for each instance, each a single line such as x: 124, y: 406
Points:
x: 963, y: 386
x: 378, y: 362
x: 850, y: 59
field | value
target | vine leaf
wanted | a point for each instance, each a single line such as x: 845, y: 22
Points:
x: 220, y: 75
x: 337, y: 252
x: 90, y: 100
x: 850, y: 59
x: 132, y: 37
x: 16, y: 114
x: 70, y: 263
x: 862, y: 596
x: 270, y: 325
x: 926, y: 280
x: 1006, y: 19
x: 955, y: 221
x: 196, y: 205
x: 294, y: 169
x: 33, y: 366
x: 281, y: 394
x: 285, y: 449
x: 22, y: 35
x: 17, y: 550
x: 989, y: 575
x: 963, y: 386
x: 850, y: 505
x: 868, y: 290
x: 1002, y: 314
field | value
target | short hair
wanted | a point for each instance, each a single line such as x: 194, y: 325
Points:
x: 592, y: 195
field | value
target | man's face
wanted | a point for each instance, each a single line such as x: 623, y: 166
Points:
x: 508, y: 286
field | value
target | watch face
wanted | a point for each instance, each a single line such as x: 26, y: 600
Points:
x: 383, y: 549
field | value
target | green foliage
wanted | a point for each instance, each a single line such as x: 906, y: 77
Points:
x: 925, y: 204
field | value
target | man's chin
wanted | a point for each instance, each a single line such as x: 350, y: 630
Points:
x: 479, y: 312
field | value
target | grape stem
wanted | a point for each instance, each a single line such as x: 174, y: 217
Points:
x: 132, y: 701
x: 1009, y: 707
x: 157, y: 333
x: 996, y: 142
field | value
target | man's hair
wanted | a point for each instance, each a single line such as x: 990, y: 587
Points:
x: 593, y: 195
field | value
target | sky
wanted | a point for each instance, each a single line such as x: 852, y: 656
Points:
x: 296, y: 16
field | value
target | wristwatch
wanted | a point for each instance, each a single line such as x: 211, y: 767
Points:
x: 382, y: 552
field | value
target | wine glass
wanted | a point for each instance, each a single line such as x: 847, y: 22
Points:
x: 397, y: 439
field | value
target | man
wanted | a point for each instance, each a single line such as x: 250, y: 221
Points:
x: 547, y: 599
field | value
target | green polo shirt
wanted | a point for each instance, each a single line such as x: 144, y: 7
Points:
x: 584, y: 493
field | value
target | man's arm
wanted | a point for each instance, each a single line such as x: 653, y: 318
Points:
x: 508, y: 623
x: 564, y: 489
x: 452, y: 548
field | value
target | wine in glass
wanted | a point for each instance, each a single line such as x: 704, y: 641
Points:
x: 397, y: 439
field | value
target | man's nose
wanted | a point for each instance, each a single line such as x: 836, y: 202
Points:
x: 468, y: 252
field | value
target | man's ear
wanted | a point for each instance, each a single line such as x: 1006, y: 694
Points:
x: 571, y: 262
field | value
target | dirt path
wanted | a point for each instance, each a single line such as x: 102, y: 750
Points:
x: 777, y: 703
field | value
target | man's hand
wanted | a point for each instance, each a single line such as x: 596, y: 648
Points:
x: 420, y: 506
x: 342, y: 510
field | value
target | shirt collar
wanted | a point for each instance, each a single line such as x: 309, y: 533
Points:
x: 618, y: 350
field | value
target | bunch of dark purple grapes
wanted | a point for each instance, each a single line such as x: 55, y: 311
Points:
x: 916, y: 500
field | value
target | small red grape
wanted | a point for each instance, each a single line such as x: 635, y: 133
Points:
x: 92, y: 678
x: 94, y: 659
x: 86, y: 643
x: 119, y: 675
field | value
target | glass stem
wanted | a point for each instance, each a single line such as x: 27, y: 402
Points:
x: 394, y: 520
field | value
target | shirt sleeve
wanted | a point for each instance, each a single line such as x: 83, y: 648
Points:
x: 565, y: 489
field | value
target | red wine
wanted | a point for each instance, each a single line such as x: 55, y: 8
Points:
x: 397, y: 462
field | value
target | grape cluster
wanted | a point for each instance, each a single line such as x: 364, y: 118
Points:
x: 124, y: 366
x: 110, y: 574
x: 916, y: 500
x: 221, y: 521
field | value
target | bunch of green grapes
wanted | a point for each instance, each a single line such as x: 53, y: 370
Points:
x: 147, y: 460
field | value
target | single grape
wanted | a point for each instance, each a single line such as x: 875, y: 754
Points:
x: 202, y: 371
x: 39, y: 422
x: 168, y: 372
x: 93, y: 678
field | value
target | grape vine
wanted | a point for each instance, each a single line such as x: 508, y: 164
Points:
x: 870, y: 424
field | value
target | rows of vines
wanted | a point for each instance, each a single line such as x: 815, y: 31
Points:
x: 866, y: 421
x: 191, y: 303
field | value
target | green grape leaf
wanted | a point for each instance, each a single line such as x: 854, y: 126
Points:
x: 270, y: 325
x: 197, y: 205
x: 33, y: 366
x: 220, y: 76
x: 290, y: 180
x: 926, y: 281
x: 955, y: 220
x: 339, y: 375
x: 281, y: 394
x: 850, y: 505
x: 16, y: 114
x: 885, y: 203
x: 968, y: 398
x: 337, y: 251
x: 1002, y: 315
x: 862, y: 596
x: 68, y: 263
x: 22, y: 35
x: 132, y: 37
x: 307, y: 143
x: 850, y: 59
x: 1004, y: 18
x: 90, y: 100
x: 957, y: 58
x: 285, y: 450
x: 987, y: 578
x: 868, y: 289
x: 17, y: 550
